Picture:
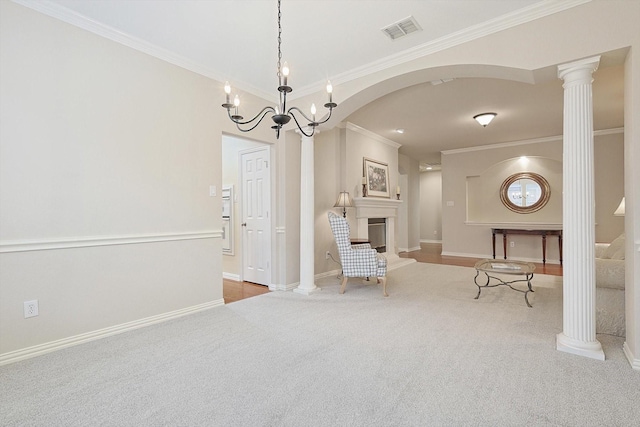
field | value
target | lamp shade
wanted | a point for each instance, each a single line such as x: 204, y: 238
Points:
x: 484, y: 118
x: 344, y: 200
x: 620, y: 210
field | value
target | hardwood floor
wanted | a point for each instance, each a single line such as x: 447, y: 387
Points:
x: 429, y: 252
x: 235, y: 291
x: 432, y: 253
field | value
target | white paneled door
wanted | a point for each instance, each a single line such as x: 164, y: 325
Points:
x: 256, y: 216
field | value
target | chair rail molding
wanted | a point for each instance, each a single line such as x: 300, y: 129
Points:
x: 89, y: 241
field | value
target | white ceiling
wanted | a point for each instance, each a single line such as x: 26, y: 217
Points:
x: 236, y: 40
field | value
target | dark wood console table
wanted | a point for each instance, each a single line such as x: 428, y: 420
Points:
x: 543, y: 233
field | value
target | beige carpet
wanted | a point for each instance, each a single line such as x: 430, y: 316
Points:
x: 429, y: 354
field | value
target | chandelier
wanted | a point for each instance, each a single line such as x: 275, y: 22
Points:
x: 281, y: 115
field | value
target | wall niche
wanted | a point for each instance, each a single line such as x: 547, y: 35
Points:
x: 484, y: 204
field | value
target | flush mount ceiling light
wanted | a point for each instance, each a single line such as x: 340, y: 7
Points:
x: 281, y: 115
x: 430, y: 166
x: 484, y: 118
x: 399, y: 131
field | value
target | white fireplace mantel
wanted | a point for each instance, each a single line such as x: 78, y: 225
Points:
x: 375, y: 207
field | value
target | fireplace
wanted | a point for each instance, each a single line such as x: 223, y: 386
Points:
x: 383, y: 214
x: 377, y: 228
x: 382, y: 233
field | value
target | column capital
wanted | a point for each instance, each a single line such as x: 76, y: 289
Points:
x: 586, y: 67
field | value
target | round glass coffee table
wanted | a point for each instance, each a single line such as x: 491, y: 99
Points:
x: 514, y: 268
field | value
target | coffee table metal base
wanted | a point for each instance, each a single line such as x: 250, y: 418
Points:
x: 500, y: 282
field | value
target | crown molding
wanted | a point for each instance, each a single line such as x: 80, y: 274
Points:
x: 522, y: 16
x: 369, y: 134
x: 509, y: 20
x: 556, y: 138
x: 61, y: 13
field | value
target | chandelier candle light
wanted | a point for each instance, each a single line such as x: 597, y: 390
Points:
x: 281, y: 115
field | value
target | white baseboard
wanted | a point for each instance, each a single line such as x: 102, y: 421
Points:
x: 231, y: 276
x: 38, y: 350
x: 293, y: 286
x: 327, y: 274
x: 635, y: 362
x: 465, y: 255
x: 485, y: 256
x: 430, y: 241
x: 416, y: 248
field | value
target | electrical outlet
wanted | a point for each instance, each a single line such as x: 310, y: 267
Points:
x: 30, y: 308
x: 513, y: 244
x: 327, y: 255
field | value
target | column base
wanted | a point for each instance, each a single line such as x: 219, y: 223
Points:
x: 307, y: 290
x: 592, y: 349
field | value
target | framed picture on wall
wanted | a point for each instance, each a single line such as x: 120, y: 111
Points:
x: 377, y: 175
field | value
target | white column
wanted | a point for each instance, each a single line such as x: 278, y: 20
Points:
x: 391, y: 253
x: 578, y: 203
x: 307, y: 214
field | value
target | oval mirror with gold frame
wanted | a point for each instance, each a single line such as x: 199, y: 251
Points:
x: 525, y: 192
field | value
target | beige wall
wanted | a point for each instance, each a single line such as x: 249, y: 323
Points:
x: 408, y: 238
x: 328, y: 184
x: 471, y: 179
x: 431, y: 206
x: 106, y: 160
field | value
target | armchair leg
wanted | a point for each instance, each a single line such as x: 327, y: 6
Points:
x: 384, y: 285
x: 343, y: 284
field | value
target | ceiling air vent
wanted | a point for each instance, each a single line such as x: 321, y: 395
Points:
x: 402, y: 28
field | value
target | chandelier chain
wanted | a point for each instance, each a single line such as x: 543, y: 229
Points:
x: 279, y: 39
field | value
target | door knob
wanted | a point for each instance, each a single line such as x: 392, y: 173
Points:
x: 244, y: 224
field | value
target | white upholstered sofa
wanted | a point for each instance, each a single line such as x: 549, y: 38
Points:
x: 610, y: 287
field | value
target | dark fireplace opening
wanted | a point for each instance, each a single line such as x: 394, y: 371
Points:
x: 378, y: 234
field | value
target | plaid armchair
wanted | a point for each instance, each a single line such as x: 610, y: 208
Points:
x: 357, y: 260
